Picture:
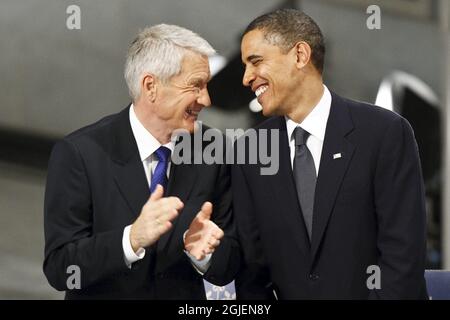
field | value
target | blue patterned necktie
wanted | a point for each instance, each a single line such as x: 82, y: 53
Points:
x: 160, y: 174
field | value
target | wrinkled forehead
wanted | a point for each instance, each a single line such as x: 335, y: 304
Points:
x: 193, y: 61
x: 194, y: 66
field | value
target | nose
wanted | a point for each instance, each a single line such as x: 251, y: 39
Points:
x: 248, y: 77
x: 204, y: 98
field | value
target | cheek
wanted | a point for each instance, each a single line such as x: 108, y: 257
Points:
x: 284, y: 84
x: 178, y: 104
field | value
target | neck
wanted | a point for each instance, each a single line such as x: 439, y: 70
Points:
x: 310, y: 93
x: 155, y: 126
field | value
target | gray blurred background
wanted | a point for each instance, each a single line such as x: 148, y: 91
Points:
x: 54, y: 80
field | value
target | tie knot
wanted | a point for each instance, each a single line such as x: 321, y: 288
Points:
x: 163, y: 153
x: 300, y: 136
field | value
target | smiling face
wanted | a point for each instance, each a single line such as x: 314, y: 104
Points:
x: 185, y: 95
x: 271, y: 74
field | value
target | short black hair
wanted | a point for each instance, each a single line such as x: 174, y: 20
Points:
x: 285, y: 27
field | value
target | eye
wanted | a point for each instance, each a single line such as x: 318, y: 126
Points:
x: 256, y: 62
x: 198, y: 86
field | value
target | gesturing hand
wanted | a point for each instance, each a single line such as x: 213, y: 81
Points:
x: 154, y: 219
x: 203, y: 235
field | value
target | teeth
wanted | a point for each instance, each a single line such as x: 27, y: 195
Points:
x: 192, y: 112
x: 261, y: 90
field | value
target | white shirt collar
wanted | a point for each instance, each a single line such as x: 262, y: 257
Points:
x: 147, y: 144
x: 316, y: 121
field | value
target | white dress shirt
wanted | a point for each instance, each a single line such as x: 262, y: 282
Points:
x: 315, y: 123
x: 147, y: 145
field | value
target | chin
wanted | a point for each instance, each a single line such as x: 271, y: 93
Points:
x: 190, y: 127
x: 267, y: 112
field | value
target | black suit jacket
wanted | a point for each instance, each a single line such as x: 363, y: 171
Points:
x: 96, y: 186
x: 368, y: 210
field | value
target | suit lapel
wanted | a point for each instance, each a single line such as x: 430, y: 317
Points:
x: 182, y: 178
x: 283, y: 187
x: 332, y: 168
x: 129, y: 175
x: 128, y: 170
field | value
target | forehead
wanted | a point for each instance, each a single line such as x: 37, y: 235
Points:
x: 194, y: 63
x: 254, y: 44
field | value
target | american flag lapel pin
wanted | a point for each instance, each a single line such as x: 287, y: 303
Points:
x: 337, y: 156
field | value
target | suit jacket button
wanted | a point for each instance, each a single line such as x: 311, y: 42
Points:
x: 313, y: 277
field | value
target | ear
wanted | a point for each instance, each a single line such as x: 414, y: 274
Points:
x: 148, y: 87
x: 303, y: 54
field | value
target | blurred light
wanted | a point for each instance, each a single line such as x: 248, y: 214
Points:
x: 255, y: 106
x: 394, y: 84
x: 216, y: 63
x: 384, y: 96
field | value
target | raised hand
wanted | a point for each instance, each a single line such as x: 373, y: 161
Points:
x: 203, y: 235
x: 154, y: 219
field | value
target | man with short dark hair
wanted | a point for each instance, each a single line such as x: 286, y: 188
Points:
x: 344, y: 217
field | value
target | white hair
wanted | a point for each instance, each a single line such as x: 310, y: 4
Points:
x: 159, y: 50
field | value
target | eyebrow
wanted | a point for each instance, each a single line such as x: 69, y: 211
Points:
x: 199, y: 81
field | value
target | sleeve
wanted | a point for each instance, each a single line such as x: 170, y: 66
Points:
x: 68, y: 220
x: 201, y: 266
x: 400, y: 209
x: 225, y: 261
x: 129, y: 255
x: 253, y: 280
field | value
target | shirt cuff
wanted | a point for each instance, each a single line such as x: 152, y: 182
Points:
x: 128, y: 253
x: 201, y: 266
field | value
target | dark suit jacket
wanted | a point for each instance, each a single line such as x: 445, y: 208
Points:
x: 96, y: 186
x: 368, y: 210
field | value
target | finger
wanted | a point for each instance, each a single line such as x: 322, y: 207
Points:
x: 157, y: 194
x: 201, y: 256
x: 163, y: 227
x: 167, y: 225
x: 197, y: 254
x: 179, y: 204
x: 206, y: 211
x: 167, y: 214
x: 162, y: 207
x: 170, y: 215
x: 171, y: 202
x: 213, y: 242
x: 218, y: 233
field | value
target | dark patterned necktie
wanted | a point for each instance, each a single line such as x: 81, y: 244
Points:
x: 305, y: 177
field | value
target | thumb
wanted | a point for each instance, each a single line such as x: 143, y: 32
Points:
x: 157, y: 194
x: 206, y: 211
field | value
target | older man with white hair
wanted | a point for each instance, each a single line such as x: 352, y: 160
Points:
x: 121, y: 219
